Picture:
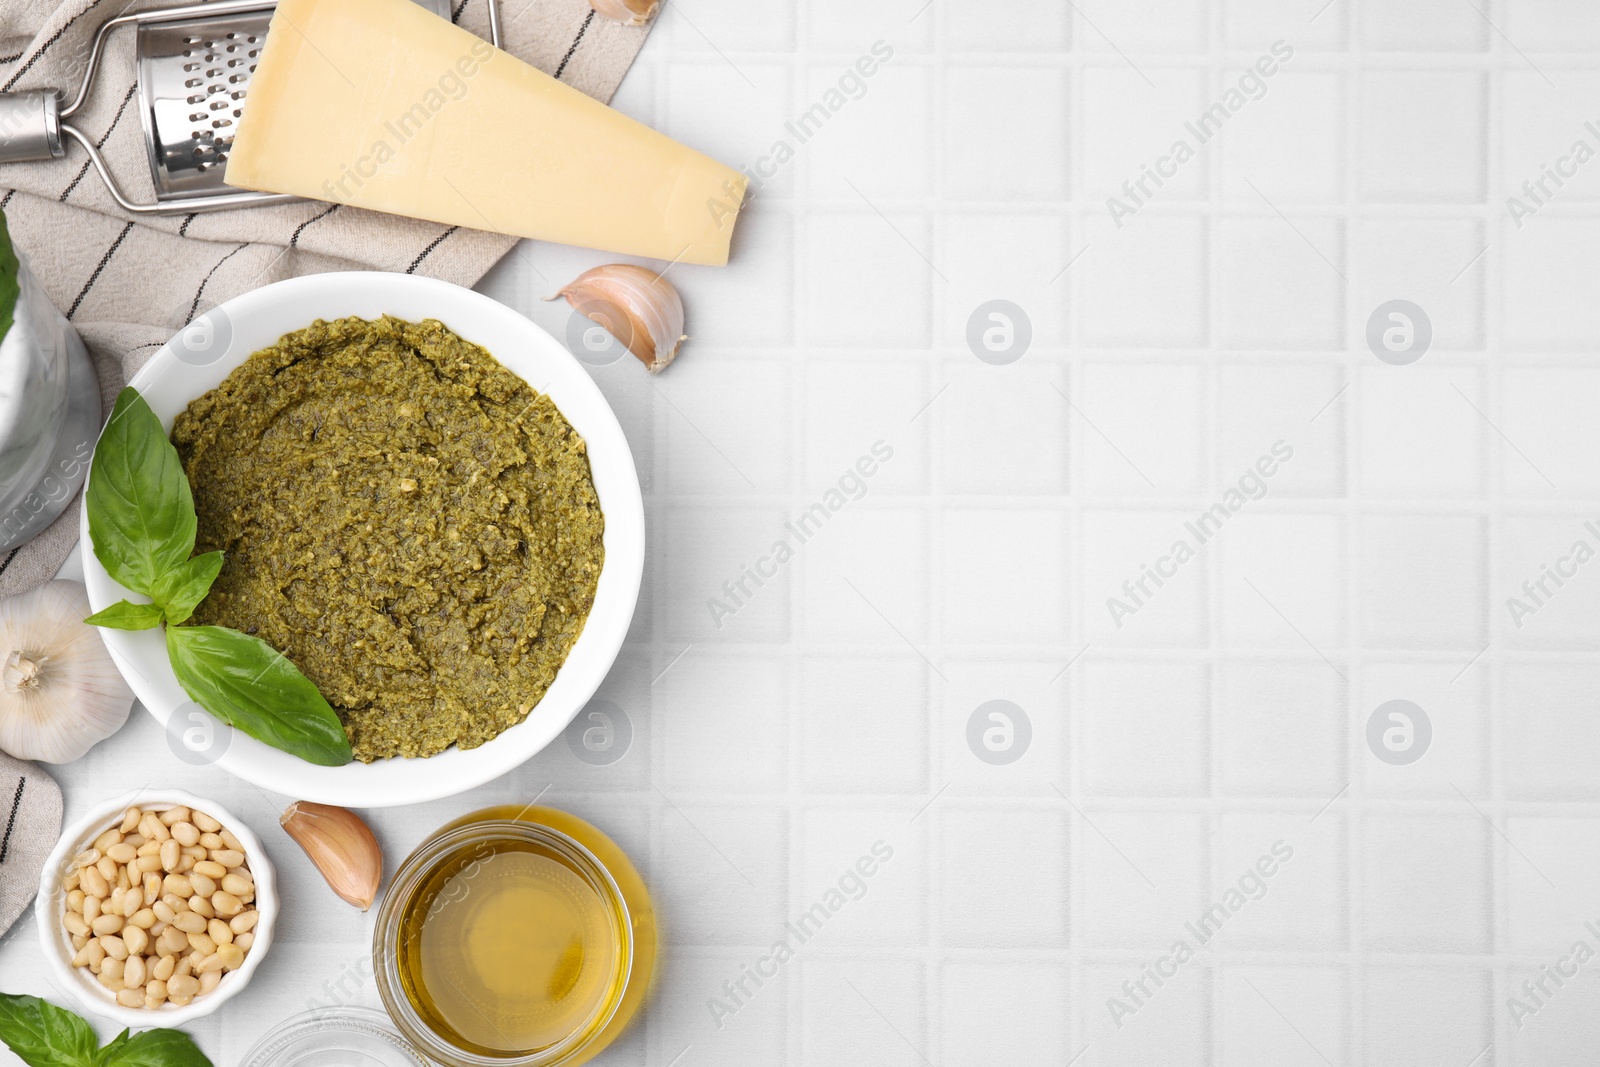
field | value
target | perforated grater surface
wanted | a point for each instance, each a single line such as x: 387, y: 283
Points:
x: 194, y: 67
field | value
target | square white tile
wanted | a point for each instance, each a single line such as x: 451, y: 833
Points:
x: 1145, y: 728
x: 1423, y: 136
x: 1002, y: 878
x: 998, y: 564
x: 1003, y: 1013
x: 1423, y: 881
x: 1144, y: 285
x: 1280, y: 728
x: 1282, y: 283
x: 1126, y: 600
x: 1139, y: 424
x: 993, y: 144
x: 1281, y: 584
x: 1422, y: 582
x: 864, y: 724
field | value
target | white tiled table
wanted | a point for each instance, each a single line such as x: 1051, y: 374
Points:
x: 1230, y: 711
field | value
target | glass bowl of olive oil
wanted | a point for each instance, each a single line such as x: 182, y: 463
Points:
x: 514, y: 937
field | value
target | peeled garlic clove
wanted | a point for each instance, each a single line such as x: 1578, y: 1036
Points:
x: 637, y: 306
x: 340, y: 845
x: 627, y: 12
x: 59, y: 691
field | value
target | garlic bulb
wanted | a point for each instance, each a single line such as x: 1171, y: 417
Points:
x: 627, y: 12
x: 59, y: 691
x: 340, y: 845
x: 636, y: 305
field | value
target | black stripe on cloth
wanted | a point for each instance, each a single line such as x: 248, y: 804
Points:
x: 11, y: 823
x: 54, y: 37
x: 4, y: 563
x: 294, y: 239
x: 123, y: 236
x: 183, y: 230
x: 435, y: 243
x: 455, y: 16
x: 576, y: 41
x: 101, y: 143
x: 194, y: 305
x: 13, y: 57
x: 4, y: 200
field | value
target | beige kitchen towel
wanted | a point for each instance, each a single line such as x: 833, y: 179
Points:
x: 30, y: 822
x: 129, y: 283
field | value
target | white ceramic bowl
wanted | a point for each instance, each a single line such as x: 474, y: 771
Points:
x: 50, y: 905
x: 218, y: 343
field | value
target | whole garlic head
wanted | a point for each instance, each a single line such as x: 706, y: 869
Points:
x: 59, y: 691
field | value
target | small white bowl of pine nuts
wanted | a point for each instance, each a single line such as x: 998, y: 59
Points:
x: 156, y: 907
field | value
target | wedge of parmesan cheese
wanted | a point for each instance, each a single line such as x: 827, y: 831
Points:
x: 383, y: 105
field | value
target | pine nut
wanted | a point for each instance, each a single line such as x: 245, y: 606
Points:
x: 130, y: 819
x: 122, y: 852
x: 210, y: 868
x: 244, y: 921
x: 205, y: 822
x: 174, y: 815
x: 226, y: 904
x: 209, y: 981
x: 162, y: 970
x: 203, y: 885
x: 115, y: 947
x: 227, y: 857
x: 186, y: 833
x: 136, y: 941
x: 189, y: 922
x: 95, y: 883
x: 133, y: 972
x: 107, y: 924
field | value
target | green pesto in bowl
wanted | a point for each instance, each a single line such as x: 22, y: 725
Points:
x: 407, y: 520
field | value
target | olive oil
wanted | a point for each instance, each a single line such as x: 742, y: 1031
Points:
x: 526, y: 937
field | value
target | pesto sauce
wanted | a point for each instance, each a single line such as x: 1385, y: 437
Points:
x: 404, y: 518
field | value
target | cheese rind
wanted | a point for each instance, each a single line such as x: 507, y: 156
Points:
x: 380, y: 104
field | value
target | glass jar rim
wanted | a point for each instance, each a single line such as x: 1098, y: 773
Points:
x: 445, y: 846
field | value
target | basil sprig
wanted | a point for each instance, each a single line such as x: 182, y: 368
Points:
x: 44, y: 1035
x: 10, y: 279
x: 142, y: 524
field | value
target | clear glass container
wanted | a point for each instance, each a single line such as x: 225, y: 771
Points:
x: 334, y: 1037
x: 517, y: 936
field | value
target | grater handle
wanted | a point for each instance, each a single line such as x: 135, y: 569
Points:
x: 30, y: 126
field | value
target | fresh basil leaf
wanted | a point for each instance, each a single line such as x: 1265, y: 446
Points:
x: 153, y: 1048
x: 141, y: 513
x: 126, y: 615
x: 43, y: 1035
x: 181, y: 589
x: 253, y: 687
x: 10, y: 279
x: 111, y: 1050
